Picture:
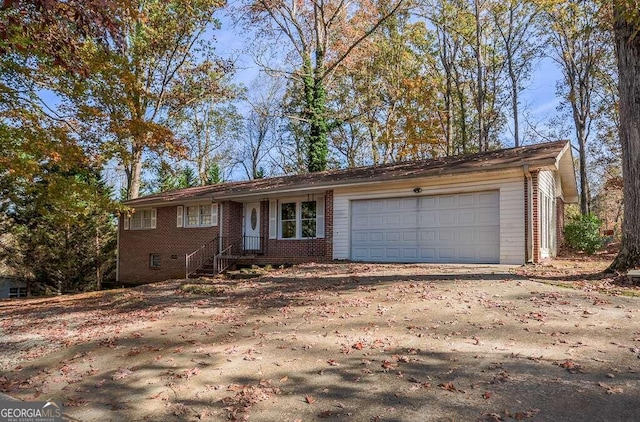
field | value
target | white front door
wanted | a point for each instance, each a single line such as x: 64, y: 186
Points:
x: 252, y: 226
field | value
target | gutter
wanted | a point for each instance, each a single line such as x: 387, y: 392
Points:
x: 529, y: 213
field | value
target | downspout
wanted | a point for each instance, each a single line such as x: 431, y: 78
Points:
x: 529, y: 221
x: 220, y: 227
x: 118, y: 251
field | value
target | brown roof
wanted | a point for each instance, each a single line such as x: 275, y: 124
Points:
x: 538, y: 155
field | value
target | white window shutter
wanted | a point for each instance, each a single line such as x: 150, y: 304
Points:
x: 153, y: 218
x: 180, y: 216
x: 125, y: 222
x: 214, y: 214
x: 273, y: 219
x: 320, y: 216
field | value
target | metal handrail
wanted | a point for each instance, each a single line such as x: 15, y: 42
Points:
x: 223, y: 260
x: 196, y: 259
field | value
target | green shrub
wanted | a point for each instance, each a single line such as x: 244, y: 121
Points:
x: 582, y: 233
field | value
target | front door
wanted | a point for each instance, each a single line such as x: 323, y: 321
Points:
x: 252, y: 226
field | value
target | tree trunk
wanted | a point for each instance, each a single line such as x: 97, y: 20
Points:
x: 628, y: 56
x: 514, y: 97
x: 482, y: 141
x: 134, y: 175
x: 584, y: 182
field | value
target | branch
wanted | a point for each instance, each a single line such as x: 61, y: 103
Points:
x: 362, y: 38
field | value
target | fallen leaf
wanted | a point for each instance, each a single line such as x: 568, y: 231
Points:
x: 449, y: 387
x: 309, y: 399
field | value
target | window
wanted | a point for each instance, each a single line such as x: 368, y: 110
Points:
x: 17, y: 292
x: 154, y: 260
x: 308, y: 219
x: 548, y: 222
x: 143, y: 219
x: 288, y: 219
x: 203, y: 215
x: 301, y: 219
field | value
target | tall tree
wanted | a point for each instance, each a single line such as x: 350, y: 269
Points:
x: 322, y: 36
x: 164, y: 66
x: 59, y: 212
x: 580, y: 43
x: 626, y: 18
x: 210, y: 128
x: 260, y: 126
x: 515, y: 21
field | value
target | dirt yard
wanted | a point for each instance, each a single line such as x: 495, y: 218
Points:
x: 339, y: 342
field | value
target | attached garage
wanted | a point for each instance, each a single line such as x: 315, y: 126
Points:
x: 462, y: 227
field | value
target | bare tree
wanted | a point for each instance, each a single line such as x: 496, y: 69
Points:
x: 579, y: 45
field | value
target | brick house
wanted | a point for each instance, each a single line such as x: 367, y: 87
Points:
x: 503, y: 206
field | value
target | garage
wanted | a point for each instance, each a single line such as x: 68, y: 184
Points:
x: 453, y: 228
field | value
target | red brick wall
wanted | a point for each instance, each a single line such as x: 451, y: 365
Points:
x: 328, y: 225
x: 535, y: 200
x: 232, y: 215
x: 280, y: 251
x: 171, y: 242
x: 526, y: 221
x: 535, y: 236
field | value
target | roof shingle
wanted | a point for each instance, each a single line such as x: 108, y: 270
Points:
x: 538, y: 155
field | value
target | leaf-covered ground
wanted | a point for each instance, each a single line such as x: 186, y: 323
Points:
x: 352, y: 342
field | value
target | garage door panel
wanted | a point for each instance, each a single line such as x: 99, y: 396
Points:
x: 410, y: 254
x: 392, y: 236
x: 447, y: 254
x: 440, y: 228
x: 488, y: 198
x: 411, y: 237
x: 446, y: 201
x: 428, y: 254
x: 467, y: 217
x: 466, y: 200
x: 467, y: 236
x: 360, y: 237
x: 376, y: 236
x: 447, y: 235
x: 446, y: 218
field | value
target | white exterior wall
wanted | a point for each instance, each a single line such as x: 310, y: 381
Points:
x: 547, y: 186
x: 512, y: 221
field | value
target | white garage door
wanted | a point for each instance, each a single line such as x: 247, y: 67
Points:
x: 440, y: 228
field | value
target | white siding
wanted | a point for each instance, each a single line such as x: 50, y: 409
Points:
x: 547, y: 188
x: 510, y: 185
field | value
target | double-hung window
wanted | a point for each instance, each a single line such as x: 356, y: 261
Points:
x: 289, y: 220
x: 297, y: 219
x: 308, y: 219
x: 17, y: 292
x: 198, y: 215
x: 143, y: 219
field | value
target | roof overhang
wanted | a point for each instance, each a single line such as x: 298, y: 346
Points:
x: 565, y: 167
x: 552, y: 156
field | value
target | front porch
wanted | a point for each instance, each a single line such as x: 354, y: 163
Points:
x: 251, y: 233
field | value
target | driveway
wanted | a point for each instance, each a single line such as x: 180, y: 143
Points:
x: 343, y: 342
